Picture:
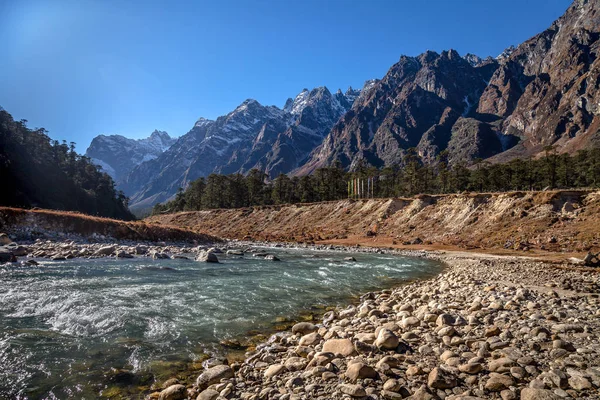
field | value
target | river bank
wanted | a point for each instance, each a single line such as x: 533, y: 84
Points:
x: 489, y: 326
x: 486, y: 327
x: 548, y: 221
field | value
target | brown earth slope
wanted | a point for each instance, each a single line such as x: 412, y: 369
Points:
x: 31, y: 224
x: 554, y: 220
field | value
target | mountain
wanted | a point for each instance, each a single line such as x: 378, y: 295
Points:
x: 118, y: 155
x: 416, y: 104
x: 251, y: 136
x: 36, y: 171
x: 547, y: 90
x: 544, y: 92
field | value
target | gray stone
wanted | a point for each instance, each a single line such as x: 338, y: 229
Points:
x: 274, y: 370
x: 207, y: 256
x: 387, y: 340
x: 359, y: 370
x: 174, y: 392
x: 498, y: 382
x: 441, y: 379
x: 304, y: 328
x: 106, y: 250
x: 538, y: 394
x: 353, y: 390
x: 208, y: 394
x: 214, y: 375
x: 343, y: 347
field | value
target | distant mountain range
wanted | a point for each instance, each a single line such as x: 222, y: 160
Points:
x: 251, y: 136
x: 118, y: 155
x: 543, y: 92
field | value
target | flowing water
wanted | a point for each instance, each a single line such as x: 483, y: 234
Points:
x: 68, y: 329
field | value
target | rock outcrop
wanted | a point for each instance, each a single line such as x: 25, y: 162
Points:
x: 118, y: 155
x: 544, y: 92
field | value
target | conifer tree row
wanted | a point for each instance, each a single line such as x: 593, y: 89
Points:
x: 552, y: 171
x: 36, y: 171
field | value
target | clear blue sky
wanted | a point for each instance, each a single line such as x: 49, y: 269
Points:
x: 82, y: 68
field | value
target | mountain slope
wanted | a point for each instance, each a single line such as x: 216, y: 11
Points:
x: 36, y: 171
x: 414, y: 105
x: 251, y: 136
x: 118, y: 155
x: 548, y: 89
x: 544, y: 92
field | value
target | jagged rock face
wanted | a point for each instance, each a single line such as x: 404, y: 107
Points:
x: 313, y: 115
x: 252, y: 136
x: 544, y: 92
x: 471, y: 139
x: 414, y: 105
x: 118, y: 155
x: 548, y: 87
x: 203, y: 150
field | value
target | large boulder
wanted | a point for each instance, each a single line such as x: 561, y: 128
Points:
x: 174, y: 392
x: 106, y: 250
x: 207, y: 256
x: 214, y: 375
x: 4, y: 239
x: 6, y: 255
x: 343, y: 347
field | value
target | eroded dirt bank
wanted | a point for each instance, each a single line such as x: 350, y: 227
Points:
x: 23, y: 224
x: 558, y: 221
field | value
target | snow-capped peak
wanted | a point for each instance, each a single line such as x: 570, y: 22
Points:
x: 118, y: 155
x: 300, y: 102
x: 473, y: 59
x: 352, y: 94
x: 506, y: 53
x: 203, y: 122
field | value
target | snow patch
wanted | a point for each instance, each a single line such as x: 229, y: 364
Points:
x: 104, y: 167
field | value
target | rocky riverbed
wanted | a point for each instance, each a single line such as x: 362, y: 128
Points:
x: 486, y: 328
x: 74, y: 246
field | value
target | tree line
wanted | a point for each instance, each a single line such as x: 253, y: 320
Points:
x: 552, y: 171
x: 37, y: 171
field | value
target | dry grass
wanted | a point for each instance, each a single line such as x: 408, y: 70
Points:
x: 86, y: 225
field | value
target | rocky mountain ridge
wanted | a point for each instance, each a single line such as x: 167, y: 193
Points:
x: 438, y: 106
x: 544, y: 92
x: 118, y: 155
x: 271, y: 139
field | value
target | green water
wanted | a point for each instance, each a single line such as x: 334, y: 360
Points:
x: 66, y: 325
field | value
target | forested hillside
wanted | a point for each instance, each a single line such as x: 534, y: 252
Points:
x: 552, y: 171
x: 36, y: 171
